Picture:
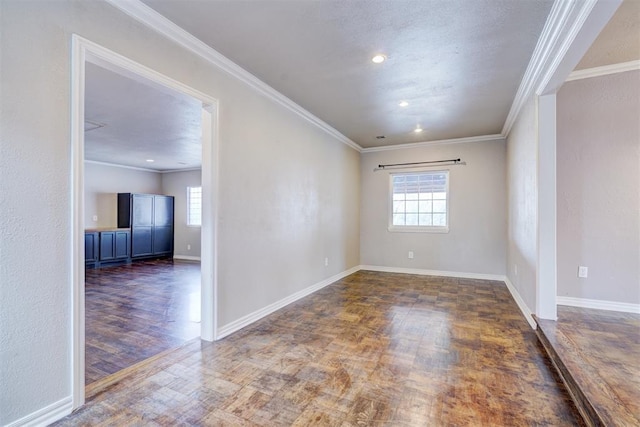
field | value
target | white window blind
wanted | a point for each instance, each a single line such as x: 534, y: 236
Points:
x: 194, y: 206
x: 419, y: 201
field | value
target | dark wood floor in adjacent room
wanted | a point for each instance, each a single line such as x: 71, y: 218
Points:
x: 371, y: 349
x: 136, y: 311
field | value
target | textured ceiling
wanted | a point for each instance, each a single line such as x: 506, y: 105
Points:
x: 619, y: 41
x: 457, y: 62
x: 129, y: 121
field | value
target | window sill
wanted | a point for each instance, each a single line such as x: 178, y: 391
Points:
x: 409, y: 229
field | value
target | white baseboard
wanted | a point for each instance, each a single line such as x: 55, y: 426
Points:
x: 187, y: 257
x: 250, y: 318
x: 421, y: 272
x: 46, y: 415
x: 599, y: 304
x: 236, y: 325
x: 524, y: 308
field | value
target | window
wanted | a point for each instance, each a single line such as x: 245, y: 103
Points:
x: 419, y: 202
x: 194, y: 206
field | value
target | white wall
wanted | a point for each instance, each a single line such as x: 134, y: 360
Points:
x: 289, y: 193
x: 598, y: 164
x: 522, y: 203
x: 289, y: 202
x: 102, y: 183
x: 476, y: 239
x: 175, y: 184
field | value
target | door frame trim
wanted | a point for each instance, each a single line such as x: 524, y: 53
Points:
x: 82, y: 51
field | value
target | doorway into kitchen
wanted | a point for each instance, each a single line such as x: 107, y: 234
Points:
x: 145, y: 141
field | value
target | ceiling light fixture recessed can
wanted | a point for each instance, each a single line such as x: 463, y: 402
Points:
x: 418, y: 130
x: 150, y: 160
x: 403, y: 103
x: 379, y: 58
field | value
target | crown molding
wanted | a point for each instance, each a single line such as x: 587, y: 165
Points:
x: 181, y: 170
x: 604, y: 70
x: 152, y: 19
x: 114, y: 165
x: 563, y: 24
x: 482, y: 138
x: 136, y: 168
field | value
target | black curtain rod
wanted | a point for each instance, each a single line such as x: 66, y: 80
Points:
x: 421, y: 163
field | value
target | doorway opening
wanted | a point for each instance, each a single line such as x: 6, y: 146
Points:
x: 88, y: 55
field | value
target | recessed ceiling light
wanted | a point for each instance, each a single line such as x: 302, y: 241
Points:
x: 418, y: 130
x: 403, y: 103
x: 378, y: 59
x: 150, y: 160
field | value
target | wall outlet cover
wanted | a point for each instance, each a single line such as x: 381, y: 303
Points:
x: 583, y: 272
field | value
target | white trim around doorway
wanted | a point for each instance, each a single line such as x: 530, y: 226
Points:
x: 84, y: 51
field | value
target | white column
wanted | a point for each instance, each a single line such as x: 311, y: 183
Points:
x: 546, y: 277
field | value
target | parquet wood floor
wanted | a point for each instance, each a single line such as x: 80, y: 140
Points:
x: 136, y: 311
x: 372, y: 349
x: 598, y: 352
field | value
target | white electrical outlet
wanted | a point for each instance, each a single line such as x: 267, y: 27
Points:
x: 583, y: 272
x: 515, y: 269
x: 188, y: 247
x: 410, y: 254
x: 326, y: 262
x: 95, y: 218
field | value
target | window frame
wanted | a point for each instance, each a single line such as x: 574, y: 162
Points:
x: 418, y: 228
x: 189, y: 224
